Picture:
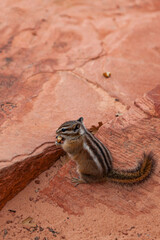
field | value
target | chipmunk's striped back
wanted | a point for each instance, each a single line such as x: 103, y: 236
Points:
x: 98, y: 152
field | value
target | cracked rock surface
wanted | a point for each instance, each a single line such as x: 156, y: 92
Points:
x: 52, y: 58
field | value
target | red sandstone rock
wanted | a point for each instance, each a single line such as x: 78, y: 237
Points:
x: 20, y: 170
x: 127, y: 139
x: 150, y: 103
x: 52, y: 59
x: 127, y: 144
x: 131, y: 55
x: 33, y: 122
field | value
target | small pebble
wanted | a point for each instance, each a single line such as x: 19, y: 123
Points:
x: 5, y: 233
x: 37, y: 190
x: 8, y: 221
x: 13, y: 211
x: 41, y: 229
x: 107, y: 74
x: 37, y: 181
x: 36, y: 238
x: 118, y: 114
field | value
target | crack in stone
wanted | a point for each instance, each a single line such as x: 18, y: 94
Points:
x: 95, y: 85
x: 149, y: 114
x: 29, y: 154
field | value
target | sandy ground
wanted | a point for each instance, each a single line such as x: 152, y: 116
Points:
x: 30, y: 216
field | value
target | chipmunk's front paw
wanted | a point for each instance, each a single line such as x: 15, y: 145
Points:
x: 77, y: 181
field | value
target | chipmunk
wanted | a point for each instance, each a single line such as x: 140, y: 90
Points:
x: 94, y: 160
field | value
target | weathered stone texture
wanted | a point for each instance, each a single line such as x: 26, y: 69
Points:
x: 127, y: 141
x: 52, y: 58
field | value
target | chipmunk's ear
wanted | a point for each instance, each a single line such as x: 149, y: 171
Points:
x: 80, y: 119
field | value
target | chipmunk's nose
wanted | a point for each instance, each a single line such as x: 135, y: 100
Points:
x: 57, y: 131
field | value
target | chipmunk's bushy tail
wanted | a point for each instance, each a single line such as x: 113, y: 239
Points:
x: 134, y: 176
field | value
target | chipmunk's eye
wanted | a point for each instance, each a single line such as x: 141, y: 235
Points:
x: 63, y: 130
x: 76, y: 127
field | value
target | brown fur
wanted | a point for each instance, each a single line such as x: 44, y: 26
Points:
x: 134, y: 176
x: 73, y: 134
